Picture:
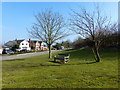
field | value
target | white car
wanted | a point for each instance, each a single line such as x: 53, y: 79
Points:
x: 18, y: 50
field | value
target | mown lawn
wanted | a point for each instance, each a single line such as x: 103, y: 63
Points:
x: 80, y: 72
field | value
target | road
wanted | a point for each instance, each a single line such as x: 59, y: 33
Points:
x: 25, y: 55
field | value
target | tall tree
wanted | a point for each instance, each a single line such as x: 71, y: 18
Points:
x: 49, y: 28
x: 92, y: 25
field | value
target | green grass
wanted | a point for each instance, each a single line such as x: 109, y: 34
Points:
x: 80, y: 72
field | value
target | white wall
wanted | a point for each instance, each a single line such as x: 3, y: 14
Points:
x: 1, y: 51
x: 24, y: 45
x: 37, y: 46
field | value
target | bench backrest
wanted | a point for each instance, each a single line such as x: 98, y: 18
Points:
x: 63, y: 55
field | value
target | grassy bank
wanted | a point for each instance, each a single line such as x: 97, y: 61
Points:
x: 80, y: 72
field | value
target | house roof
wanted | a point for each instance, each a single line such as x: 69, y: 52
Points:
x: 34, y: 41
x: 40, y: 41
x: 11, y: 43
x: 19, y: 41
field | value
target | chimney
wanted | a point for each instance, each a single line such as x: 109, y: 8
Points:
x: 29, y: 39
x: 16, y: 40
x: 29, y: 42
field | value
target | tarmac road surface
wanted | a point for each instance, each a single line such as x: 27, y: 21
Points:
x: 25, y: 55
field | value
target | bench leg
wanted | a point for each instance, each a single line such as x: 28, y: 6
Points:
x: 64, y: 61
x: 54, y: 60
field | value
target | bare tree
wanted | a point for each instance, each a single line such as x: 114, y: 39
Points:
x: 49, y: 28
x: 92, y: 25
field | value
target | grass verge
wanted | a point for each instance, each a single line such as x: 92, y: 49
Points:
x: 81, y: 72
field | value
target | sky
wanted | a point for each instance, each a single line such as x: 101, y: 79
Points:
x: 17, y: 17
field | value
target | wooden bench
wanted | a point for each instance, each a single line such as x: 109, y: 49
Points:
x: 63, y: 57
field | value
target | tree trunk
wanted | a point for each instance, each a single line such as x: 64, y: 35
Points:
x: 96, y: 54
x: 50, y: 53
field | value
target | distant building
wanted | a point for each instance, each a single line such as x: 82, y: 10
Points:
x: 37, y: 45
x: 10, y: 43
x: 27, y: 44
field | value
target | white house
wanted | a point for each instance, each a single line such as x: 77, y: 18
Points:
x: 24, y: 45
x: 1, y: 50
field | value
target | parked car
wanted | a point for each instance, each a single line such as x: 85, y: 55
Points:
x: 54, y: 48
x: 18, y: 50
x: 7, y: 51
x: 61, y: 47
x: 24, y: 50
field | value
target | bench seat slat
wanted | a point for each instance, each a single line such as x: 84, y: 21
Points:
x: 59, y: 58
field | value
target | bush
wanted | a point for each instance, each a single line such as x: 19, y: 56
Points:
x: 16, y: 46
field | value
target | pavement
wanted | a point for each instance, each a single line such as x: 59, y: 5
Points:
x: 25, y: 55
